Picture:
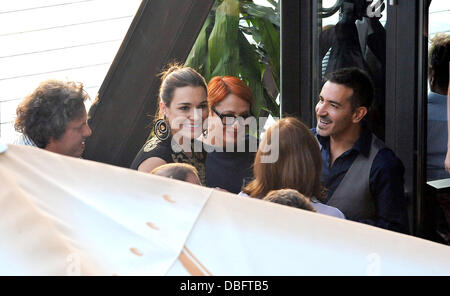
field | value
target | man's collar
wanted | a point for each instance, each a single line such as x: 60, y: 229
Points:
x: 364, y: 142
x: 362, y: 145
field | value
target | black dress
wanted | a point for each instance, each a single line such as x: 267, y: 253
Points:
x: 163, y: 149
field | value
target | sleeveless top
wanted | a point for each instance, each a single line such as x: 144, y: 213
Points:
x: 163, y: 149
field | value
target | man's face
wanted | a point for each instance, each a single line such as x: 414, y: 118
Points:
x: 72, y: 142
x: 334, y: 110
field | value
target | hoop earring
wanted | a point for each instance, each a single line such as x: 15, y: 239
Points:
x: 161, y: 129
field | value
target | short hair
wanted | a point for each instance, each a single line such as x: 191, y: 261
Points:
x: 298, y: 166
x: 45, y: 113
x: 177, y: 171
x: 359, y: 81
x: 438, y: 59
x: 291, y: 198
x: 220, y: 87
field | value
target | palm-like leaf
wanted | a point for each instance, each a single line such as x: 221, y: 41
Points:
x: 223, y: 49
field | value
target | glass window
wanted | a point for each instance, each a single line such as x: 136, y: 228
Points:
x: 353, y: 35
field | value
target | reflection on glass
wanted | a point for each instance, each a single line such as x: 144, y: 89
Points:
x: 354, y: 36
x: 438, y: 73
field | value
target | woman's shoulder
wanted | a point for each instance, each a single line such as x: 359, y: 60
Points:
x: 153, y: 148
x: 242, y: 193
x: 326, y: 209
x: 155, y: 143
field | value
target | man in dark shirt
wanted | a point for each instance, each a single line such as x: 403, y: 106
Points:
x: 364, y: 178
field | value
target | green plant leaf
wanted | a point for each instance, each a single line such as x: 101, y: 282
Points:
x: 270, y: 39
x: 259, y: 11
x: 272, y: 106
x: 198, y: 56
x: 223, y: 49
x: 223, y: 45
x: 251, y: 71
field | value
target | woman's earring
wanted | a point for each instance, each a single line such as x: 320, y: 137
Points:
x: 161, y: 129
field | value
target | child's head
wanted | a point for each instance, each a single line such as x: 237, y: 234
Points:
x: 291, y: 198
x: 178, y: 171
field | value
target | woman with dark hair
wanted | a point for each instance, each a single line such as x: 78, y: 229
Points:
x: 183, y: 107
x: 229, y: 160
x: 288, y: 157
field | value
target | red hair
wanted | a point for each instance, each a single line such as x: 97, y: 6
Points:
x: 221, y: 86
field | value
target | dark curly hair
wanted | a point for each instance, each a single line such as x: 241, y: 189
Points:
x: 438, y: 59
x: 46, y: 112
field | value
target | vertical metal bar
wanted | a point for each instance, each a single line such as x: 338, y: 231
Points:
x: 403, y: 98
x: 393, y: 2
x: 422, y: 114
x: 290, y: 58
x: 316, y: 63
x: 307, y: 23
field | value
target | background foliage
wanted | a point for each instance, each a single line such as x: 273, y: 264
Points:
x: 222, y: 48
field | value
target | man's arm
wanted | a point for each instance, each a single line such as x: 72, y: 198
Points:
x: 387, y: 189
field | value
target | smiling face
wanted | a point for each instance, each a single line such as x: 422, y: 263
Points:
x: 187, y: 111
x: 230, y: 105
x: 334, y: 111
x: 72, y: 141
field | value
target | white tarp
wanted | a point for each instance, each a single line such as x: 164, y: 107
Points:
x: 67, y: 216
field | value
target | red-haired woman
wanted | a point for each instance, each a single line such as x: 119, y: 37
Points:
x: 230, y: 157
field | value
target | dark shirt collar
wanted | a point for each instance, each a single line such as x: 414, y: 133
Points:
x: 362, y: 145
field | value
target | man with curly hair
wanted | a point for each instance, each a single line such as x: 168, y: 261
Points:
x: 54, y: 118
x: 438, y: 68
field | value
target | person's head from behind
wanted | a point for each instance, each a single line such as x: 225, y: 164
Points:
x: 438, y: 63
x: 345, y: 99
x: 298, y: 165
x: 178, y: 171
x: 183, y: 101
x: 291, y: 198
x: 55, y: 118
x: 230, y: 101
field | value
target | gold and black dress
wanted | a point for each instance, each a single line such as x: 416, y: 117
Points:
x: 163, y: 150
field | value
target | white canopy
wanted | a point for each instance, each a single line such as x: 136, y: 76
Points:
x: 68, y: 216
